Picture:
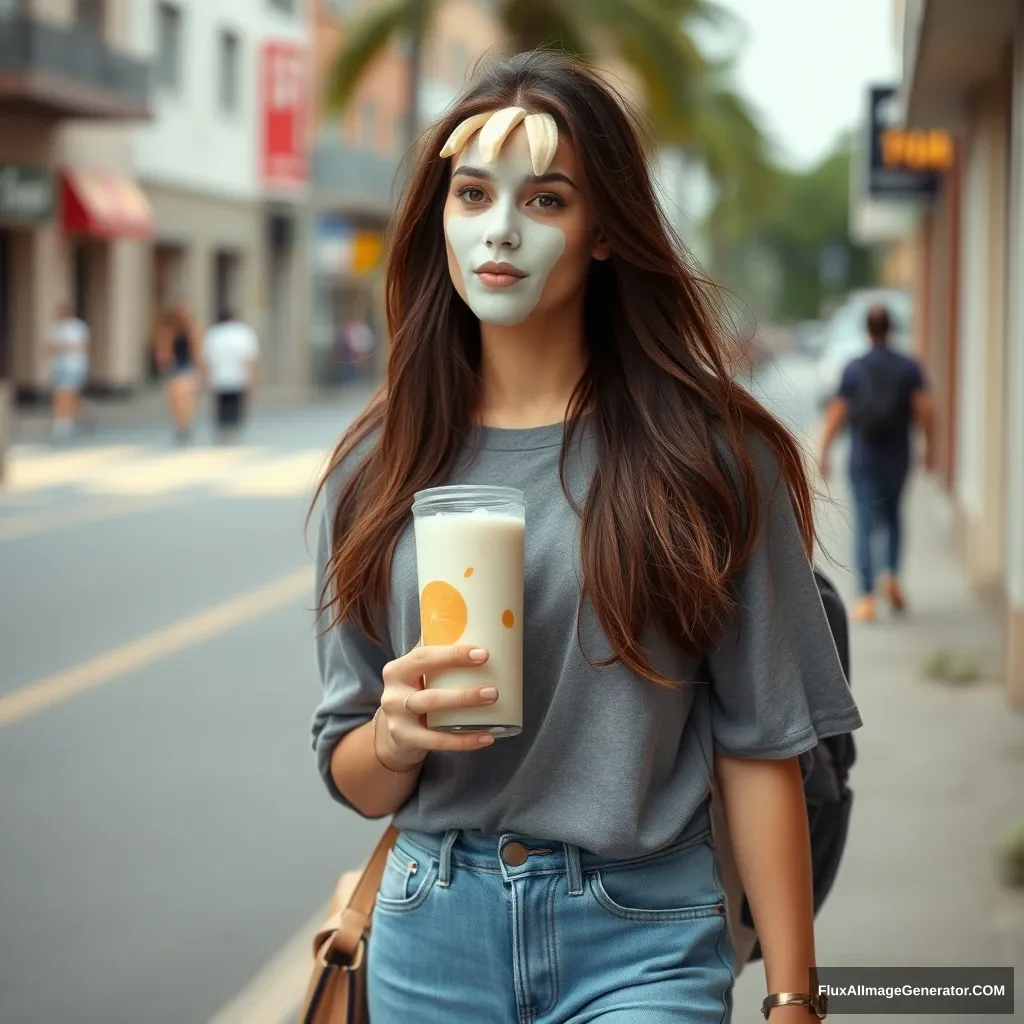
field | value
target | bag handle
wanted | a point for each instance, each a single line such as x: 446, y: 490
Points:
x: 342, y: 933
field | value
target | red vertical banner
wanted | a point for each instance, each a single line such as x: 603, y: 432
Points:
x: 284, y: 95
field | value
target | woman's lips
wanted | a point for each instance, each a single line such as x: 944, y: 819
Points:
x: 499, y: 275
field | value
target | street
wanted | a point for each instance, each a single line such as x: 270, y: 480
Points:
x: 164, y: 828
x: 166, y: 839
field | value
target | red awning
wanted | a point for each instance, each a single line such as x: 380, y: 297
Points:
x: 104, y: 205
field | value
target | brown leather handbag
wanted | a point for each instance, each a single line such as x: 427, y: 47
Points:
x: 336, y: 993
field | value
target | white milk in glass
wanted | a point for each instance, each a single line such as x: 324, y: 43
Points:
x: 469, y: 561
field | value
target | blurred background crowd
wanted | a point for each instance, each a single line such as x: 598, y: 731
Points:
x: 171, y: 165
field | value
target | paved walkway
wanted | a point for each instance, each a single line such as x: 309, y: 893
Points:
x: 939, y: 777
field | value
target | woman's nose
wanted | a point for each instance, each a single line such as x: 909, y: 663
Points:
x: 501, y: 228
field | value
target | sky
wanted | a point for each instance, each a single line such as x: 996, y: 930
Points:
x: 807, y: 64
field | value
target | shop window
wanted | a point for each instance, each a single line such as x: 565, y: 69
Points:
x: 168, y: 50
x: 230, y: 52
x: 92, y: 15
x: 227, y: 265
x: 6, y: 326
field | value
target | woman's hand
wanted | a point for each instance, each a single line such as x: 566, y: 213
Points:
x: 403, y: 739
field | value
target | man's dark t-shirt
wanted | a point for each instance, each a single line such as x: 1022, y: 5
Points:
x: 894, y: 454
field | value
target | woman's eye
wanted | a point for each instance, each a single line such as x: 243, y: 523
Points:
x: 547, y: 201
x: 472, y: 194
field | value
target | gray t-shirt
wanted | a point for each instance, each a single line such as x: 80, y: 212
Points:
x: 606, y: 761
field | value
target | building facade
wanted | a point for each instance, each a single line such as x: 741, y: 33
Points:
x: 224, y: 166
x: 72, y: 220
x: 964, y: 72
x: 356, y: 166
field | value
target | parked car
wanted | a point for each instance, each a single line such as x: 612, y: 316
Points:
x: 845, y: 337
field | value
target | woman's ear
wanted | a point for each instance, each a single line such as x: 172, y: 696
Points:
x: 602, y: 247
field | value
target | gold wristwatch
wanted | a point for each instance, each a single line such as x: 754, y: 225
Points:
x: 818, y: 1005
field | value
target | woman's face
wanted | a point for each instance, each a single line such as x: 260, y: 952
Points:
x: 518, y: 245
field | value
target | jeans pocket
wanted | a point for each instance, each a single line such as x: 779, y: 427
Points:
x: 407, y: 881
x: 681, y: 885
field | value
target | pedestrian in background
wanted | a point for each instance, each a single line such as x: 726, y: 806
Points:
x: 230, y: 350
x: 177, y: 356
x: 881, y: 397
x: 67, y: 345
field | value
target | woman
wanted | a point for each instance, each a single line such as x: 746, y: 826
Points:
x: 548, y: 335
x: 68, y: 348
x: 177, y: 356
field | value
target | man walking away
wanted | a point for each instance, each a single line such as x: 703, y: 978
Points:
x: 883, y: 395
x: 230, y: 349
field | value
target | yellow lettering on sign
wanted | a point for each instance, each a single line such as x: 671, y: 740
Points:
x: 917, y: 150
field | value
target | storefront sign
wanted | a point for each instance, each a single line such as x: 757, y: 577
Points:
x: 26, y: 193
x: 342, y: 251
x: 904, y: 163
x: 284, y: 99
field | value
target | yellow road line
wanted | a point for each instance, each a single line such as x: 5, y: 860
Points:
x: 62, y: 686
x: 19, y: 525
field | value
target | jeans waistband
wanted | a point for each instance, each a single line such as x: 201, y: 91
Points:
x: 481, y: 851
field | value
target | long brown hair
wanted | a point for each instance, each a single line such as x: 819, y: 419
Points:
x: 673, y: 506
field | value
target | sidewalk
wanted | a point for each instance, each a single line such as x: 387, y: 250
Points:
x: 149, y: 409
x: 939, y: 777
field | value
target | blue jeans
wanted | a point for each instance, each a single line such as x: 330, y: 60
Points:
x: 877, y: 497
x: 511, y: 930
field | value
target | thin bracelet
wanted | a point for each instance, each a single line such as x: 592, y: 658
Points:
x: 394, y: 771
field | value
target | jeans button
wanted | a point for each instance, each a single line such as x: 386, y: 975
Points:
x: 514, y: 855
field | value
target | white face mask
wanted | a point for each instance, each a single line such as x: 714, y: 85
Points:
x: 503, y: 232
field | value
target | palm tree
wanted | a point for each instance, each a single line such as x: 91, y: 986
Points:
x: 740, y: 159
x: 650, y: 35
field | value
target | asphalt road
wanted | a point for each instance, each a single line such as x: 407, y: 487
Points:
x: 164, y: 832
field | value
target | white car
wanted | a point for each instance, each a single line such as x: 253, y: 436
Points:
x: 846, y: 336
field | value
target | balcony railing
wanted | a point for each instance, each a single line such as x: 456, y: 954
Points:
x: 353, y: 179
x: 69, y: 71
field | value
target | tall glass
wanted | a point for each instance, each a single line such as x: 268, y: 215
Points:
x: 469, y: 562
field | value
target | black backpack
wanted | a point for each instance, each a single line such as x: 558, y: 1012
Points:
x: 878, y: 405
x: 826, y: 772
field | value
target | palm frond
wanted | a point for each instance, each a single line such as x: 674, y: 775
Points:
x: 365, y: 39
x: 652, y: 39
x: 542, y: 24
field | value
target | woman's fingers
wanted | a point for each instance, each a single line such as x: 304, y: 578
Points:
x: 423, y: 702
x: 422, y: 661
x: 406, y: 701
x: 418, y: 737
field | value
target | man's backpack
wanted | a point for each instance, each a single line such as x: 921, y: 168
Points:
x: 878, y: 406
x: 826, y: 772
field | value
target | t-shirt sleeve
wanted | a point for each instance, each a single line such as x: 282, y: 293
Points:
x: 351, y: 668
x: 848, y: 383
x: 777, y: 684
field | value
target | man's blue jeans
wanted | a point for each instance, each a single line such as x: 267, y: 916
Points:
x: 877, y: 498
x: 468, y: 928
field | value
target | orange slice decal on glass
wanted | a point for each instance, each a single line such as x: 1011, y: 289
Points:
x: 468, y: 573
x: 443, y: 614
x: 508, y: 620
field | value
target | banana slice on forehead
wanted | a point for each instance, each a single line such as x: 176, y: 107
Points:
x: 495, y: 126
x: 542, y: 135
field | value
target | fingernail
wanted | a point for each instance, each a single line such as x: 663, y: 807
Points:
x: 485, y: 740
x: 477, y: 654
x: 489, y: 693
